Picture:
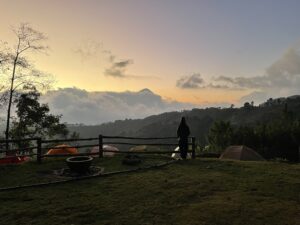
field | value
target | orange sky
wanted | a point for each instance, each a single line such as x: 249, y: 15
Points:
x: 164, y: 41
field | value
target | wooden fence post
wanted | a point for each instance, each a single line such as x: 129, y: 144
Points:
x: 39, y: 150
x: 193, y: 148
x: 100, y: 146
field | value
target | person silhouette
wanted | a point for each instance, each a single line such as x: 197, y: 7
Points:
x: 183, y: 133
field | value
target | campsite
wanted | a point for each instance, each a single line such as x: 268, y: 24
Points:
x: 208, y: 191
x: 149, y: 112
x: 239, y: 187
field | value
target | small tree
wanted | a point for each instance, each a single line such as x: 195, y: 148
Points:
x: 220, y: 135
x: 16, y: 70
x: 33, y: 119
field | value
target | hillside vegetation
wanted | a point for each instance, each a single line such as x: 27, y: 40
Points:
x: 199, y: 120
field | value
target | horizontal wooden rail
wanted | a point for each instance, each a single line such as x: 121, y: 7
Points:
x: 140, y: 138
x: 68, y: 140
x: 138, y: 144
x: 17, y: 140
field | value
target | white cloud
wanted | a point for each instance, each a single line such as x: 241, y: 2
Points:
x: 80, y: 106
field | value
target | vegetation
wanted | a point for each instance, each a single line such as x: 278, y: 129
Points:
x: 34, y: 120
x: 220, y: 135
x: 271, y: 128
x: 15, y: 68
x: 197, y: 191
x: 275, y: 139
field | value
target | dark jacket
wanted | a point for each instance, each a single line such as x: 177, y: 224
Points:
x: 183, y: 130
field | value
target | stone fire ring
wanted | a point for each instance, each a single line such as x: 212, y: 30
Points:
x: 79, y: 164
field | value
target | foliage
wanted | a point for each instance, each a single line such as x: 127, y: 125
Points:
x: 276, y: 139
x: 220, y: 135
x: 16, y: 70
x: 33, y: 119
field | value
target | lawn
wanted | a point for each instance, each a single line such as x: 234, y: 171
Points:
x: 201, y: 191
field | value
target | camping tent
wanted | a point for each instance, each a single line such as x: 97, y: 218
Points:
x: 177, y: 155
x: 14, y: 159
x: 241, y: 152
x: 145, y: 148
x: 62, y: 149
x: 139, y: 148
x: 112, y: 150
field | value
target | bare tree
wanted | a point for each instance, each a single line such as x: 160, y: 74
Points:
x: 17, y: 71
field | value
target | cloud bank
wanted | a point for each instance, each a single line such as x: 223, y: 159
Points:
x: 281, y: 79
x: 80, y: 106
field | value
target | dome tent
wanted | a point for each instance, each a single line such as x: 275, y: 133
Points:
x: 62, y: 149
x: 241, y: 152
x: 14, y: 159
x: 112, y: 150
x: 139, y: 148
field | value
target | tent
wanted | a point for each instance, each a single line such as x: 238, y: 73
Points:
x: 144, y: 148
x: 241, y: 152
x: 177, y: 155
x: 14, y: 159
x: 139, y: 148
x: 62, y: 149
x: 112, y: 150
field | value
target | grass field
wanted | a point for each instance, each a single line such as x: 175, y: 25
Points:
x: 201, y: 191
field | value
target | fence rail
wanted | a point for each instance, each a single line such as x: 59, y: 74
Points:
x: 39, y: 146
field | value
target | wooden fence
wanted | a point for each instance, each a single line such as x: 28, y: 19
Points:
x: 101, y: 140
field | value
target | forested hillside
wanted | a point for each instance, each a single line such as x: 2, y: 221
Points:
x: 199, y: 120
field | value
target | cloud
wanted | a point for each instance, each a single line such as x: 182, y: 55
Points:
x: 289, y: 63
x: 193, y: 81
x: 118, y: 69
x: 89, y: 50
x: 217, y: 86
x: 257, y: 97
x: 80, y: 106
x: 281, y: 79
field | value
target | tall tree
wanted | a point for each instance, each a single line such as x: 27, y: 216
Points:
x: 16, y: 67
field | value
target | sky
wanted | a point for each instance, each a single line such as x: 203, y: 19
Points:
x: 192, y: 52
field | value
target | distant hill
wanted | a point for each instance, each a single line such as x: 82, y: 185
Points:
x: 199, y: 120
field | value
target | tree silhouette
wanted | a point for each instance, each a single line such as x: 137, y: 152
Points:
x: 34, y: 119
x: 16, y: 69
x: 220, y: 135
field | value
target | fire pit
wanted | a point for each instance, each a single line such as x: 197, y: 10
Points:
x: 79, y: 164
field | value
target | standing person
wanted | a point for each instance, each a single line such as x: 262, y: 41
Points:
x: 183, y: 133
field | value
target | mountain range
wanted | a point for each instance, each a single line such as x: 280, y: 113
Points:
x: 199, y: 120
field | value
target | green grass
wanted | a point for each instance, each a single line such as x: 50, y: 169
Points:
x: 201, y: 191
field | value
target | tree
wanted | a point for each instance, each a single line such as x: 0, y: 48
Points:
x: 247, y: 105
x: 220, y: 135
x: 16, y: 69
x: 33, y: 119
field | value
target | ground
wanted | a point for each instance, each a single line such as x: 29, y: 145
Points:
x: 201, y: 191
